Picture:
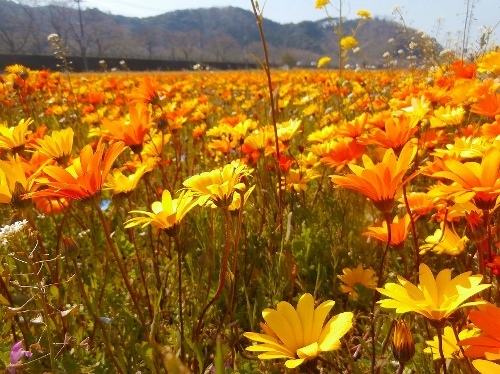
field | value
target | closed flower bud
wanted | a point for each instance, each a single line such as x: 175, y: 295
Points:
x: 403, y: 347
x: 474, y: 229
x: 70, y: 248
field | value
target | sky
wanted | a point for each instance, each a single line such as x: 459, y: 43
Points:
x: 441, y: 19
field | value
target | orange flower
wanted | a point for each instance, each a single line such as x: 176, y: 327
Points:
x: 132, y: 131
x: 488, y: 343
x: 339, y: 153
x: 149, y: 92
x: 420, y: 203
x: 379, y: 182
x: 491, y: 130
x: 479, y: 182
x: 463, y: 70
x: 488, y: 106
x: 399, y: 231
x: 398, y: 131
x: 51, y: 205
x: 83, y: 178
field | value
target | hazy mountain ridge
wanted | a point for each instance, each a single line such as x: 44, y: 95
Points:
x: 211, y: 34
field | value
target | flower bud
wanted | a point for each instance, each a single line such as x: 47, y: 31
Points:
x: 70, y: 249
x: 403, y: 346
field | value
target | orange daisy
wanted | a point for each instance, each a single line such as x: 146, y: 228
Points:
x: 83, y: 178
x: 379, y: 182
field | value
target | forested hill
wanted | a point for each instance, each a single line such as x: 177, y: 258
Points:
x: 213, y: 34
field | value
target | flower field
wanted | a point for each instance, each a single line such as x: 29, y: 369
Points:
x: 205, y: 222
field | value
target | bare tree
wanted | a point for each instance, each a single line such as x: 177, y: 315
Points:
x: 149, y: 38
x: 220, y: 45
x: 80, y: 37
x: 16, y: 22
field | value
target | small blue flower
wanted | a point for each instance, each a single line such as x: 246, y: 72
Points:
x: 104, y: 204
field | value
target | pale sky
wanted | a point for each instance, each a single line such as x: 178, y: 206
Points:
x: 419, y: 14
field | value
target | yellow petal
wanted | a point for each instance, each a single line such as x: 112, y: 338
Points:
x: 305, y: 310
x: 291, y: 364
x: 319, y: 318
x: 281, y: 327
x: 336, y: 328
x: 486, y: 367
x: 428, y: 286
x: 290, y: 314
x: 309, y: 351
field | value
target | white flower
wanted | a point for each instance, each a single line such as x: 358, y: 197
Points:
x: 53, y: 38
x: 7, y: 232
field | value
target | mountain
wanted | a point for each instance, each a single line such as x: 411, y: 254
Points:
x: 213, y: 34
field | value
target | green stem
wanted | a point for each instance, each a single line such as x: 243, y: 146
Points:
x: 259, y: 18
x: 222, y: 273
x: 121, y: 267
x: 439, y: 329
x: 375, y: 294
x: 97, y: 319
x: 179, y: 299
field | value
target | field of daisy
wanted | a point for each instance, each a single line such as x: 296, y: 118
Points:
x: 303, y: 221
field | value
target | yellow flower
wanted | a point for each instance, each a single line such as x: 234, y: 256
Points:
x: 365, y: 14
x: 448, y: 115
x: 486, y: 367
x: 120, y: 183
x: 14, y: 182
x: 450, y: 343
x: 444, y: 242
x: 348, y: 42
x: 323, y: 61
x: 297, y: 180
x: 300, y: 334
x: 14, y: 138
x: 321, y: 3
x: 434, y: 298
x: 58, y: 145
x: 489, y: 63
x: 403, y: 346
x: 288, y: 129
x: 166, y: 213
x: 218, y: 186
x: 353, y: 277
x: 15, y: 69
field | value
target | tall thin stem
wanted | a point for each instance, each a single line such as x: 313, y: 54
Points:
x: 375, y: 294
x: 121, y: 267
x: 439, y: 329
x: 222, y: 273
x: 97, y: 319
x: 179, y: 285
x: 413, y: 229
x: 267, y: 69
